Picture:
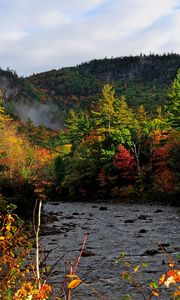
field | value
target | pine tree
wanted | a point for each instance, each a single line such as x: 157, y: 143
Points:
x: 173, y: 107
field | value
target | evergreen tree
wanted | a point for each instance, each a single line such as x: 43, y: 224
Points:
x: 78, y: 125
x: 173, y: 107
x: 106, y: 111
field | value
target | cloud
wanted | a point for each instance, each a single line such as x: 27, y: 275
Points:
x: 39, y: 35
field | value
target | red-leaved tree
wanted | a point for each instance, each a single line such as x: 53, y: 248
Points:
x: 125, y: 162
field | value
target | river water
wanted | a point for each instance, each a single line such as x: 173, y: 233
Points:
x: 112, y: 229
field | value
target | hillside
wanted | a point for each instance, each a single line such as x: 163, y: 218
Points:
x: 142, y: 79
x: 24, y: 100
x: 114, y: 149
x: 46, y: 97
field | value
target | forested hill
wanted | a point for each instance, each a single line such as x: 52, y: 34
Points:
x: 142, y: 79
x: 116, y: 150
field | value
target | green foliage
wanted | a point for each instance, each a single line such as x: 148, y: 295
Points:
x: 95, y: 139
x: 82, y: 155
x: 173, y: 107
x: 141, y: 79
x: 106, y: 108
x: 4, y: 118
x: 78, y: 125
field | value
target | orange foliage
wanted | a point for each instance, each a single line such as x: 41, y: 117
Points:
x: 171, y: 277
x: 164, y: 177
x: 159, y: 136
x: 16, y: 276
x: 42, y: 156
x: 94, y: 137
x: 44, y: 292
x: 14, y: 247
x: 74, y: 283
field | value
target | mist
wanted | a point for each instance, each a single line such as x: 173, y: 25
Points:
x: 40, y: 114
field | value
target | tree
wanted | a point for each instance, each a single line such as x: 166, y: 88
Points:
x: 80, y: 169
x: 4, y: 118
x: 105, y: 109
x: 158, y: 121
x: 124, y: 116
x: 164, y: 177
x: 113, y: 119
x: 173, y: 107
x: 20, y: 162
x: 78, y: 125
x: 125, y: 162
x: 132, y: 130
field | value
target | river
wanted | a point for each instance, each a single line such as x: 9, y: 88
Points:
x: 112, y: 229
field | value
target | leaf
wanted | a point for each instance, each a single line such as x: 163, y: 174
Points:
x: 176, y: 294
x: 122, y: 254
x: 145, y: 264
x: 74, y: 283
x: 171, y: 264
x: 125, y: 276
x: 154, y: 285
x: 10, y: 218
x: 120, y: 258
x: 127, y: 264
x: 155, y: 293
x: 169, y: 280
x: 162, y: 279
x: 136, y: 268
x: 8, y: 227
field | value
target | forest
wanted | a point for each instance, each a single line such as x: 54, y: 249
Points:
x: 141, y: 79
x: 121, y: 151
x: 118, y: 150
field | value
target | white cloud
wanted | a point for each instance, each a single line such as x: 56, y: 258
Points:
x: 12, y: 36
x: 37, y: 35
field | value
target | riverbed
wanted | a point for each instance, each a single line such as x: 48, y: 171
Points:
x: 112, y: 229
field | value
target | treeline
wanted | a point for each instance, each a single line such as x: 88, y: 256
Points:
x: 139, y: 68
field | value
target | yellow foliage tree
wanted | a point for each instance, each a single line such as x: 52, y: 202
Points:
x: 19, y: 160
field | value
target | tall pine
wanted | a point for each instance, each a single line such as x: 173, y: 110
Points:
x: 173, y: 107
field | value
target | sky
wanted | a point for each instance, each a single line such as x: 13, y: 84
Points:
x: 40, y: 35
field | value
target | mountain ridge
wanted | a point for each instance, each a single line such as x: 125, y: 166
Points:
x: 142, y: 79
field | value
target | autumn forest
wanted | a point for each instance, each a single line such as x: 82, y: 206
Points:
x: 118, y: 150
x: 110, y: 130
